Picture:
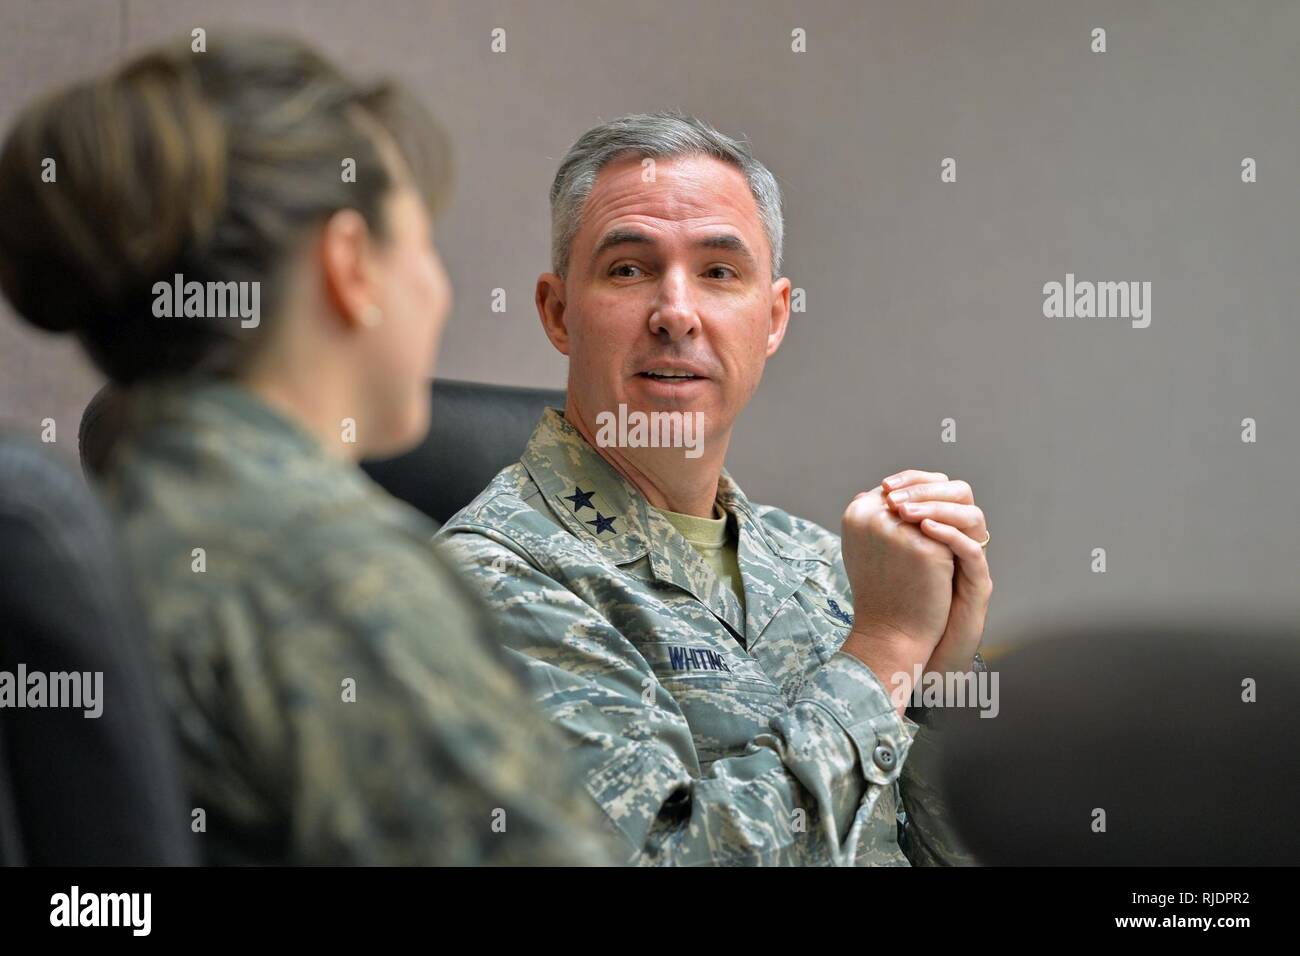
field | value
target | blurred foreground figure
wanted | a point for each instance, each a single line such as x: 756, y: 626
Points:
x: 241, y: 238
x: 1137, y: 745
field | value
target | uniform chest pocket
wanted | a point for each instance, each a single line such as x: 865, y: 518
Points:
x: 829, y: 619
x: 726, y: 699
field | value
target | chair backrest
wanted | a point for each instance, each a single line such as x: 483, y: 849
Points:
x: 1136, y: 745
x: 77, y: 789
x: 477, y: 430
x: 101, y: 423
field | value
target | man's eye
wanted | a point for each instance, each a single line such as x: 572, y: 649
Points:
x: 625, y: 270
x: 721, y: 272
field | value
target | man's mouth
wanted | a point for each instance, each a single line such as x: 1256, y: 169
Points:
x: 669, y: 374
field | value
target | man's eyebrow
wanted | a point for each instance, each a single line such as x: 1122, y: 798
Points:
x: 726, y: 240
x: 730, y: 242
x: 618, y: 237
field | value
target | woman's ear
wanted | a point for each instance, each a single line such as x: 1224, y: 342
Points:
x: 345, y: 251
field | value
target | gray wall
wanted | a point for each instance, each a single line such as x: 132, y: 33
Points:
x: 924, y: 298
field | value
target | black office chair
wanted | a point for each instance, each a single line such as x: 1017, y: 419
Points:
x: 476, y: 431
x: 101, y: 423
x: 78, y: 790
x: 1145, y: 722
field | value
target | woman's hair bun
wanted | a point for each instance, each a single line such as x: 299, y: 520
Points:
x: 103, y: 185
x: 213, y: 165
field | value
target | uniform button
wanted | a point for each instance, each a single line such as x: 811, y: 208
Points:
x: 884, y: 757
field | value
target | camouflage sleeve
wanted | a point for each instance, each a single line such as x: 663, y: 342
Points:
x: 390, y: 730
x: 927, y: 836
x: 801, y: 794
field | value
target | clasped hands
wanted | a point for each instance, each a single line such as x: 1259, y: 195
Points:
x: 920, y: 577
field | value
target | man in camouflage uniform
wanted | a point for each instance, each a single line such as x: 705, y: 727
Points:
x: 701, y: 652
x: 336, y: 693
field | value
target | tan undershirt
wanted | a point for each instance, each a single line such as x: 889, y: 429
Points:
x: 713, y: 541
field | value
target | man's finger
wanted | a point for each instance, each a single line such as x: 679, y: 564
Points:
x: 969, y: 518
x: 911, y: 476
x: 967, y: 550
x: 956, y: 491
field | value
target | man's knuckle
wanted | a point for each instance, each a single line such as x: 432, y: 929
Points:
x: 878, y: 522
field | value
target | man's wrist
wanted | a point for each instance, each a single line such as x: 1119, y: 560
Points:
x: 892, y: 655
x: 889, y: 644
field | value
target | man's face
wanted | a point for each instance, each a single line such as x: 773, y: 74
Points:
x: 667, y: 276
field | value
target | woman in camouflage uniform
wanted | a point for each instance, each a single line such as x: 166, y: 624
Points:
x: 239, y: 234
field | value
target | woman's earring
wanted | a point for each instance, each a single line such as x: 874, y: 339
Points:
x: 371, y: 316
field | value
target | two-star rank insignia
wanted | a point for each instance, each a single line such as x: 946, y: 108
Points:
x: 604, y: 524
x: 581, y: 499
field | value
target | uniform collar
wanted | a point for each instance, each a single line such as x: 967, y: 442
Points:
x: 206, y: 407
x: 225, y: 435
x: 597, y: 504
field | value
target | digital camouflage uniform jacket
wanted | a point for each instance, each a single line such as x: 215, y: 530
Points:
x: 708, y: 735
x: 334, y: 693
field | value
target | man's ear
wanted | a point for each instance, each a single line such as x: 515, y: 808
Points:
x: 344, y: 251
x: 550, y: 308
x: 780, y: 315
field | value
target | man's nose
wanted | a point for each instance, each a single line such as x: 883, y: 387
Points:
x: 674, y: 311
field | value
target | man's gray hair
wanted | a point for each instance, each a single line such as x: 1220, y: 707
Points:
x: 653, y: 136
